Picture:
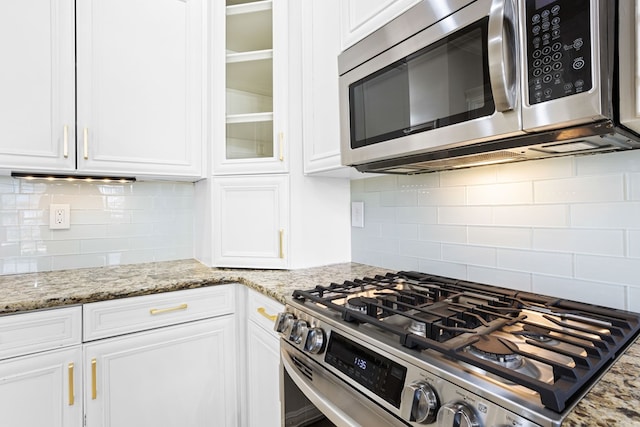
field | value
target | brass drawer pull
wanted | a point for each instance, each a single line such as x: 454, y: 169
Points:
x: 94, y: 374
x: 71, y: 392
x: 155, y: 311
x: 264, y: 313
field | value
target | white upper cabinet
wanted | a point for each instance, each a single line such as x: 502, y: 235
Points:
x: 37, y: 78
x: 321, y: 121
x: 249, y: 67
x: 139, y: 95
x: 140, y: 91
x: 359, y: 18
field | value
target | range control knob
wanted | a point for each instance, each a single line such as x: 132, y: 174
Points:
x: 284, y: 323
x: 315, y: 341
x: 298, y: 331
x: 457, y: 415
x: 424, y: 402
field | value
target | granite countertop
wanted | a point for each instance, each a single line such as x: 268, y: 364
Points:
x: 613, y: 401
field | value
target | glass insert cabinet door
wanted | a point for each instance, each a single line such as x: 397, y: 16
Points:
x: 252, y: 133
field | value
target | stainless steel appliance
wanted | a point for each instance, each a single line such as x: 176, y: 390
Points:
x: 458, y: 83
x: 411, y: 349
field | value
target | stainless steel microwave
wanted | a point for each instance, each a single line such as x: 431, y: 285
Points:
x: 458, y: 83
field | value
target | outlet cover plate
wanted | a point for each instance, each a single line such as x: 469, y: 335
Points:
x: 357, y: 214
x: 59, y: 216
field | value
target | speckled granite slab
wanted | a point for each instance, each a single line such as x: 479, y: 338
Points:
x: 614, y: 401
x: 57, y: 288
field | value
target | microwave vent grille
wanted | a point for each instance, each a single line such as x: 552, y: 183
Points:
x: 467, y: 161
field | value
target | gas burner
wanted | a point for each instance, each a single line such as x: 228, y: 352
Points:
x: 536, y: 333
x: 490, y: 348
x: 359, y: 303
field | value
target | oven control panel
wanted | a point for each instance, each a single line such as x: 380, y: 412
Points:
x: 558, y: 37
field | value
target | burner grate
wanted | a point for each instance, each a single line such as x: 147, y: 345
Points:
x: 448, y: 316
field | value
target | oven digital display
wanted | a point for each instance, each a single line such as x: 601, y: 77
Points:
x: 377, y: 373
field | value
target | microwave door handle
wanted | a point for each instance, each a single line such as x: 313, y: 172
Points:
x: 502, y: 54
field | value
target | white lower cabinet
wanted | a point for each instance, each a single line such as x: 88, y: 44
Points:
x: 41, y: 368
x: 172, y: 363
x: 263, y: 362
x: 179, y: 376
x: 42, y: 390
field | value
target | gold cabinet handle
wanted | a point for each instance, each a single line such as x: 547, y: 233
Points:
x: 282, y: 243
x: 65, y: 147
x: 264, y: 313
x: 85, y: 138
x: 281, y: 143
x: 71, y: 392
x: 94, y: 374
x: 155, y: 311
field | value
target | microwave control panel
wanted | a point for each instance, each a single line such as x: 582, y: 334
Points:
x: 558, y: 39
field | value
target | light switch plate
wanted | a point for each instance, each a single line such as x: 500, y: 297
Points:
x: 357, y: 214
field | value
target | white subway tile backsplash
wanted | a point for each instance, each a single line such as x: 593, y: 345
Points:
x: 608, y: 163
x: 533, y: 216
x: 602, y: 188
x: 606, y: 215
x: 427, y: 180
x: 471, y: 255
x: 473, y: 176
x: 462, y: 215
x: 505, y: 278
x: 449, y: 196
x: 507, y: 237
x: 443, y: 233
x: 620, y: 270
x: 400, y: 231
x: 633, y: 299
x: 581, y: 290
x: 634, y: 243
x: 580, y: 241
x: 420, y: 249
x: 381, y: 183
x: 557, y: 264
x: 517, y: 193
x: 560, y: 167
x: 110, y: 224
x: 399, y: 198
x: 443, y: 268
x: 634, y: 186
x: 419, y: 215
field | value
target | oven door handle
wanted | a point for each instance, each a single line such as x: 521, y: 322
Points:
x: 502, y: 54
x: 331, y: 411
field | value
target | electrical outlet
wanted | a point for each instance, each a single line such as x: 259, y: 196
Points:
x: 59, y: 216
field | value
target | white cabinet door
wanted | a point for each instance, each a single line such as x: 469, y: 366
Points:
x: 140, y: 91
x: 359, y: 18
x: 251, y: 221
x: 263, y: 362
x: 249, y: 67
x: 178, y: 376
x: 37, y: 78
x: 321, y: 121
x: 42, y: 390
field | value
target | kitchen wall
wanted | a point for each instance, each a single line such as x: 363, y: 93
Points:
x: 567, y: 227
x: 111, y: 224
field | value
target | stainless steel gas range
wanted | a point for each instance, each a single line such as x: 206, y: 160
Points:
x: 414, y: 349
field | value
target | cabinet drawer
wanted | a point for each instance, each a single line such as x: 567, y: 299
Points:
x: 116, y: 317
x: 263, y: 310
x: 32, y: 332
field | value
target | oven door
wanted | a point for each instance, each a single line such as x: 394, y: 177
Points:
x: 453, y: 83
x: 312, y: 396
